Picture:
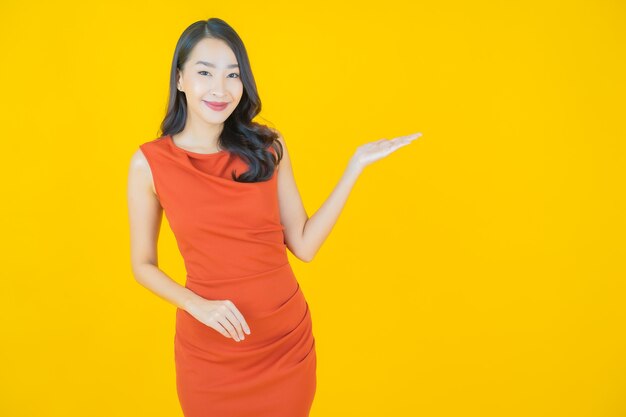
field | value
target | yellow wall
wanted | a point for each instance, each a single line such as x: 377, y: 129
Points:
x: 477, y: 272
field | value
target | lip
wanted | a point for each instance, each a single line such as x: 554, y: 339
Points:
x: 216, y: 105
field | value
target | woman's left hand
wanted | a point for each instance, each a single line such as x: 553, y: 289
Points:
x: 373, y: 151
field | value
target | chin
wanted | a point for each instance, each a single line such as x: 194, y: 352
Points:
x: 217, y: 120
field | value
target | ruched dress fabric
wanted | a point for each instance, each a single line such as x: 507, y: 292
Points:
x: 232, y: 243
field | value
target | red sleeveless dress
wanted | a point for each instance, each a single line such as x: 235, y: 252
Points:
x: 232, y: 243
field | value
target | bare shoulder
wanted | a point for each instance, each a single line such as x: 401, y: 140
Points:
x: 138, y: 159
x: 140, y: 169
x: 280, y: 136
x: 281, y: 139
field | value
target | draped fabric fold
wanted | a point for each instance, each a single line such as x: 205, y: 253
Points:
x: 232, y: 243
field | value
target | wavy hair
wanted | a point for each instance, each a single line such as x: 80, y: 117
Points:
x: 240, y: 136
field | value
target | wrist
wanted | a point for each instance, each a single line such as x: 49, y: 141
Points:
x: 355, y: 167
x: 190, y: 303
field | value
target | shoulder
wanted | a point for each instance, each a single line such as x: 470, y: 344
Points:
x: 139, y: 170
x: 284, y: 155
x: 139, y: 164
x: 138, y: 159
x: 281, y: 140
x: 141, y: 157
x: 278, y: 134
x: 147, y: 151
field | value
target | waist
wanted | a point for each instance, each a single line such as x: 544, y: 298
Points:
x: 260, y: 292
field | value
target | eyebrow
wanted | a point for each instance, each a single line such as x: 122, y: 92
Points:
x: 208, y: 64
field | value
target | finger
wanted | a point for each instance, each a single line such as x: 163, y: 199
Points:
x: 229, y: 328
x: 228, y: 320
x: 397, y: 145
x: 219, y: 328
x: 233, y: 319
x: 401, y: 140
x: 411, y: 136
x: 224, y: 330
x: 240, y: 317
x: 405, y: 140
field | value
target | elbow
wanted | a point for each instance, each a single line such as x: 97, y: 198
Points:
x: 300, y: 250
x: 306, y: 257
x: 139, y: 271
x: 301, y: 254
x: 137, y: 274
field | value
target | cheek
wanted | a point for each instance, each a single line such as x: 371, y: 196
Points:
x: 238, y: 90
x: 197, y: 90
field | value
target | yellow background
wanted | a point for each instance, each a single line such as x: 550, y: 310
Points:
x: 478, y: 271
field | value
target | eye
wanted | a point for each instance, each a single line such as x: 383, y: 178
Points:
x: 232, y: 73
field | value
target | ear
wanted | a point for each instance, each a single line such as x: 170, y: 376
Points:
x: 179, y: 80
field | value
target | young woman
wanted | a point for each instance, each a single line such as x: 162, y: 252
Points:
x: 243, y: 343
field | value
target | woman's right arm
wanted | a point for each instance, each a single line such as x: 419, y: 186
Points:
x: 145, y: 215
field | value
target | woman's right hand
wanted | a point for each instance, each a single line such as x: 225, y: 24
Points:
x: 221, y: 315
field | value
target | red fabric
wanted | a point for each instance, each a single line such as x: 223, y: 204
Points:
x: 231, y: 239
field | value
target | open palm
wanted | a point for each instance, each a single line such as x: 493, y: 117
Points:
x: 373, y: 151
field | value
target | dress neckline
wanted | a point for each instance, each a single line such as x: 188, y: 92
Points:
x: 170, y: 140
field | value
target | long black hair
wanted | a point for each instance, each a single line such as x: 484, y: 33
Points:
x: 241, y: 136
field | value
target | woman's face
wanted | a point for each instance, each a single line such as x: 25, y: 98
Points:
x: 211, y: 74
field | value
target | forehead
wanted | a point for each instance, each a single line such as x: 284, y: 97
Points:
x: 212, y: 50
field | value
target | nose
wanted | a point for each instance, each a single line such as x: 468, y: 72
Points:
x: 217, y: 87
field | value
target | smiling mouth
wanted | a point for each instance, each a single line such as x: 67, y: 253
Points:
x: 216, y: 105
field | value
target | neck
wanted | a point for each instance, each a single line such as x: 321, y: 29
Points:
x: 202, y: 136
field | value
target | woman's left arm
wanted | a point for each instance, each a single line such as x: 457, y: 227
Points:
x: 303, y: 235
